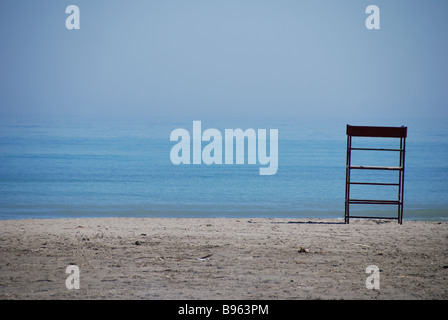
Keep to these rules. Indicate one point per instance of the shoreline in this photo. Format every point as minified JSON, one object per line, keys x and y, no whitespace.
{"x":421,"y":218}
{"x":430,"y":215}
{"x":222,"y":258}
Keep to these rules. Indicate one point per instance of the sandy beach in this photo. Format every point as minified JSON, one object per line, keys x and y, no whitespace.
{"x":218,"y":258}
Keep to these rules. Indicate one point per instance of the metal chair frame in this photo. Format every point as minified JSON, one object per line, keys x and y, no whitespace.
{"x":383,"y":132}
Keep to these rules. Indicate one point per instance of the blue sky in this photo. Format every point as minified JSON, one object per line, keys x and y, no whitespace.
{"x":206,"y":58}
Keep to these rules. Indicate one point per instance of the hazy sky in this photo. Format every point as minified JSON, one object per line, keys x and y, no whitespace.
{"x":286,"y":58}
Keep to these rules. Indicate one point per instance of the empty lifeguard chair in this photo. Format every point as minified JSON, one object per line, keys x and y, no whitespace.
{"x":379,"y":132}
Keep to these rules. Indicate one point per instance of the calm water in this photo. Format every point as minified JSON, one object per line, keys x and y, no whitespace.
{"x":96,"y":167}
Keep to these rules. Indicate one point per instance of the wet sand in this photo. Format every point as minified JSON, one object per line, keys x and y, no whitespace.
{"x":218,"y":258}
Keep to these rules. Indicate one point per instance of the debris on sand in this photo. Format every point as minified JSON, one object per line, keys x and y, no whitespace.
{"x":205,"y":257}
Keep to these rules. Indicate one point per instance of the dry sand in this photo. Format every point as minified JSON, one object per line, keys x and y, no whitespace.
{"x":156,"y":258}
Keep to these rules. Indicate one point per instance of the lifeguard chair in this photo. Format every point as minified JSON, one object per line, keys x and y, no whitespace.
{"x":378,"y":132}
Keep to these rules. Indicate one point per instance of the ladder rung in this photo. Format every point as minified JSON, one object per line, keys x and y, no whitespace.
{"x":376,"y":183}
{"x":376,"y":149}
{"x":367,"y":201}
{"x":376,"y":168}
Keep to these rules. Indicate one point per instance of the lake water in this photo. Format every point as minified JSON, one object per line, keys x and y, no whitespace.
{"x":71,"y":167}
